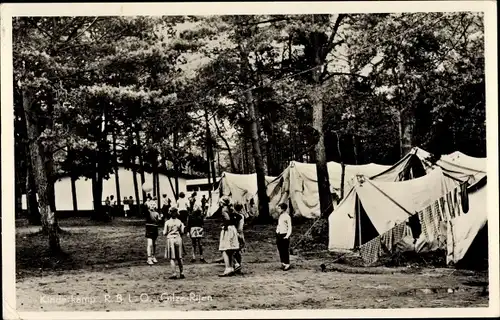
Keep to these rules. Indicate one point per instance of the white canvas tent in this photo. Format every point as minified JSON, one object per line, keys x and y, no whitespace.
{"x":457,"y":165}
{"x":464,"y":228}
{"x":299,"y":184}
{"x":372,"y":208}
{"x":413,"y":165}
{"x":458,"y":232}
{"x":240,"y":188}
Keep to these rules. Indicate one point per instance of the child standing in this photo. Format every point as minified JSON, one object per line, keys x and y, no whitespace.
{"x":174,"y":229}
{"x":239,"y":220}
{"x":152,"y":220}
{"x":126,"y":206}
{"x":183,"y":207}
{"x":283,"y":232}
{"x":228,"y":242}
{"x":204,"y":205}
{"x":192,"y":202}
{"x":165,"y":208}
{"x":195,"y":231}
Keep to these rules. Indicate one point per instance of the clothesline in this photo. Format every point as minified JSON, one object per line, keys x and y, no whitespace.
{"x":370,"y":250}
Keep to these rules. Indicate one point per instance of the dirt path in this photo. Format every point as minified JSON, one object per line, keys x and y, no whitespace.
{"x":103,"y":263}
{"x":263,"y":286}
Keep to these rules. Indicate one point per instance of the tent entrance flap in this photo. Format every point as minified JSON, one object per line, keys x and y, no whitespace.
{"x":365,"y":230}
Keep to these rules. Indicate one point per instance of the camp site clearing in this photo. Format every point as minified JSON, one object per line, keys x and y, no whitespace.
{"x":111,"y":257}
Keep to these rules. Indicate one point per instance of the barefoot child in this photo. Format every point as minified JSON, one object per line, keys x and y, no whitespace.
{"x":174,"y":229}
{"x":195,"y":231}
{"x":283,"y":232}
{"x":152,"y":223}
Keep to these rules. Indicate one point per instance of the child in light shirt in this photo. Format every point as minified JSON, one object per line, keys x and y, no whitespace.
{"x":283,"y":233}
{"x":173,"y":230}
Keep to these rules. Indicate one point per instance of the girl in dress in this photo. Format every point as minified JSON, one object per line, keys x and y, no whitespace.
{"x":174,"y":229}
{"x":228,"y":243}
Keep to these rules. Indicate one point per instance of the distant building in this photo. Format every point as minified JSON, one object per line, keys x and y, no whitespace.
{"x":64,"y":197}
{"x":200,"y":186}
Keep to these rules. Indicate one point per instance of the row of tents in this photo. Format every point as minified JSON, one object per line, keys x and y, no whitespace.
{"x":418,"y":204}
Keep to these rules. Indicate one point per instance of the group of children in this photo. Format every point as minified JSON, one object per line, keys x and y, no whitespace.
{"x":186,"y":217}
{"x":110,"y":203}
{"x":175,"y":218}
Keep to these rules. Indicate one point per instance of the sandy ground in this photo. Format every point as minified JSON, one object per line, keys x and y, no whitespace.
{"x":104,"y":269}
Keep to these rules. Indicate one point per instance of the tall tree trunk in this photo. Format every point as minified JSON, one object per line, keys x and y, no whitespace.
{"x":219,"y":167}
{"x":97,"y":194}
{"x":407,"y":130}
{"x":325,"y":199}
{"x":208,"y":173}
{"x":176,"y":196}
{"x":48,"y":217}
{"x":244,"y":154}
{"x":210,"y":153}
{"x":18,"y":206}
{"x":153,"y":175}
{"x":342,"y":165}
{"x":73,"y":194}
{"x":212,"y":163}
{"x":141,"y":162}
{"x":400,"y":134}
{"x":259,"y":164}
{"x":98,"y":177}
{"x":355,"y":149}
{"x":31,"y":199}
{"x":231,"y":159}
{"x":176,"y":164}
{"x":156,"y":182}
{"x":117,"y":177}
{"x":136,"y":189}
{"x":158,"y":189}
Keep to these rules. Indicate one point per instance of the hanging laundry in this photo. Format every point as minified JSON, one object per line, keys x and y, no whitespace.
{"x":449,"y":201}
{"x":371,"y":250}
{"x":464,"y":196}
{"x":456,"y":199}
{"x":423,"y":224}
{"x":387,"y":240}
{"x":399,"y":232}
{"x":437,"y":211}
{"x":442,"y":203}
{"x":442,"y":236}
{"x":433,"y":220}
{"x":429,"y":225}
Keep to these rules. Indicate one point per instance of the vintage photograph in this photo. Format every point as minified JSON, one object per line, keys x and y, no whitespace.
{"x":250,"y":161}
